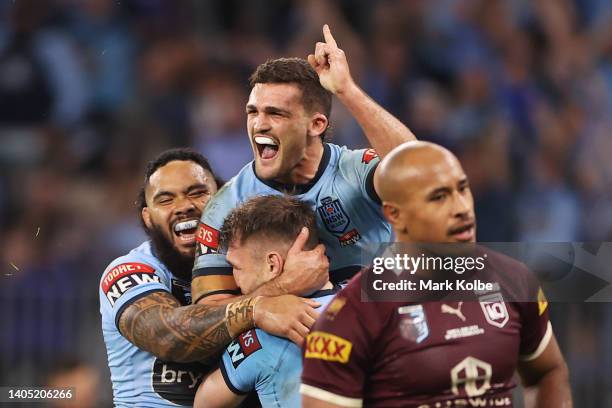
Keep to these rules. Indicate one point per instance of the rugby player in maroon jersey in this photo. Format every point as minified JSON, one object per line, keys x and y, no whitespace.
{"x":432,"y":354}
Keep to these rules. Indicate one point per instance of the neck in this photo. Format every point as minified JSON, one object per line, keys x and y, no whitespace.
{"x":328,"y":285}
{"x":402,"y":237}
{"x":307,"y":167}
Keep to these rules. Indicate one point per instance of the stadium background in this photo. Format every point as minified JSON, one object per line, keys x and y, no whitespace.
{"x":91,"y":89}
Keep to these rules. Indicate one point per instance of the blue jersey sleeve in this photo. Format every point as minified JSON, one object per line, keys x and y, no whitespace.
{"x":358,"y":167}
{"x":212,"y":273}
{"x":125,"y":280}
{"x":269,"y":365}
{"x":244,"y":361}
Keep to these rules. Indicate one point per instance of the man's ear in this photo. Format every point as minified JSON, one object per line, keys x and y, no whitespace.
{"x":318,"y":125}
{"x":394,"y":215}
{"x":274,"y":263}
{"x":391,"y":212}
{"x":146,"y":217}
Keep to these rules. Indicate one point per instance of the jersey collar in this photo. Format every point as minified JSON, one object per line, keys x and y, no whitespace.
{"x":325,"y":292}
{"x":296,"y":189}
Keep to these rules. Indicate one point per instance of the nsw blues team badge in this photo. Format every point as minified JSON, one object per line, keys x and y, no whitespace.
{"x":413,"y":323}
{"x":333,"y":215}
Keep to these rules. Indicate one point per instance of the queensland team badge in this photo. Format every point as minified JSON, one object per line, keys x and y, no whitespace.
{"x":413,"y":323}
{"x":333,"y":215}
{"x":494,"y":309}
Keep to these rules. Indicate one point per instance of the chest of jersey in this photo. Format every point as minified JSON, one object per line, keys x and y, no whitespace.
{"x":347,"y":223}
{"x":460,"y":350}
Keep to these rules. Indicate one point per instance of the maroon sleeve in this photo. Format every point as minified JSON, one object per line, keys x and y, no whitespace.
{"x":536,"y":330}
{"x":338,"y":350}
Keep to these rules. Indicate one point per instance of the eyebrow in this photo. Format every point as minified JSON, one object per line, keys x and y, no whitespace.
{"x":161,"y":194}
{"x":197,"y":186}
{"x":268,"y":109}
{"x":463,"y":182}
{"x":188,"y":190}
{"x":438,"y":191}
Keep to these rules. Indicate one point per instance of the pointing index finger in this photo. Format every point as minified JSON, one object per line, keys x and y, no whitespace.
{"x":329,"y":38}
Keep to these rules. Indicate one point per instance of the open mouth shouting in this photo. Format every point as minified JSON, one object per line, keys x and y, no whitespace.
{"x":267,"y":147}
{"x":185,"y":231}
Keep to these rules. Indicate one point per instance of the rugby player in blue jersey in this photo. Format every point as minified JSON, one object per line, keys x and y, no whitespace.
{"x":258,"y":235}
{"x":287,"y":116}
{"x":155,"y":340}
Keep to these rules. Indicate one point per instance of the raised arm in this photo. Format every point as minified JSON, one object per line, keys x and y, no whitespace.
{"x":383,"y":130}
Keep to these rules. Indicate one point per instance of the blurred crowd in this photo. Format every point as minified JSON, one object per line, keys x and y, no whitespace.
{"x":90,"y":90}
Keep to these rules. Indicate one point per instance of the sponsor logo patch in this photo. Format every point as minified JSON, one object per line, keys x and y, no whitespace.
{"x":473,"y":376}
{"x":542,"y":302}
{"x":454,"y":311}
{"x":334,"y":307}
{"x":177,"y":382}
{"x":349,"y":238}
{"x":494,"y":309}
{"x":368,"y":156}
{"x":413,"y":323}
{"x":245,"y":345}
{"x":249,"y":342}
{"x":333,"y":215}
{"x":207,"y":238}
{"x":123,"y":277}
{"x":461,"y":332}
{"x":326,"y":346}
{"x":122,"y":270}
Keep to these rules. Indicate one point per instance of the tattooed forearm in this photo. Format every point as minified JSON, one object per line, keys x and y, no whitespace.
{"x":159,"y":324}
{"x":241,"y":315}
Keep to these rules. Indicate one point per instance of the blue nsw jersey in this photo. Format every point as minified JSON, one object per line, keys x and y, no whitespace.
{"x":342,"y":195}
{"x":139,"y":378}
{"x":269,"y":365}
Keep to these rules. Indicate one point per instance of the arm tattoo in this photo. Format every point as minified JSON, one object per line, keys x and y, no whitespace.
{"x":157,"y":323}
{"x":240,"y":315}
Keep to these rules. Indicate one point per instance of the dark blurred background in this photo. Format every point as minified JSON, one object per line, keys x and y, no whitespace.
{"x":90,"y":90}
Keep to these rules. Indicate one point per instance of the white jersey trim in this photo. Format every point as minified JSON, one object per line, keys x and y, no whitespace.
{"x":323,"y":395}
{"x":541,"y":347}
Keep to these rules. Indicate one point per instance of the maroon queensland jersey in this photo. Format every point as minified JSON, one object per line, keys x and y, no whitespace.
{"x":429,"y":355}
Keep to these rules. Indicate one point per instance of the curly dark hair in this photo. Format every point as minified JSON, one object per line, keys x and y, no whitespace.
{"x":298,"y":71}
{"x":165,"y":157}
{"x":279,"y":217}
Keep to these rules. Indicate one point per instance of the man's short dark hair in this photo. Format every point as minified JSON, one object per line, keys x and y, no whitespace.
{"x":298,"y":71}
{"x":165,"y":157}
{"x":279,"y":217}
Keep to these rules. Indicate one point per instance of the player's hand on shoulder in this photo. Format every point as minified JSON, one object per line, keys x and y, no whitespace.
{"x":286,"y":316}
{"x":330,"y":63}
{"x":304,"y":271}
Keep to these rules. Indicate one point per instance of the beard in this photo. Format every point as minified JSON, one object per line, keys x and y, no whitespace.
{"x":178,"y":264}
